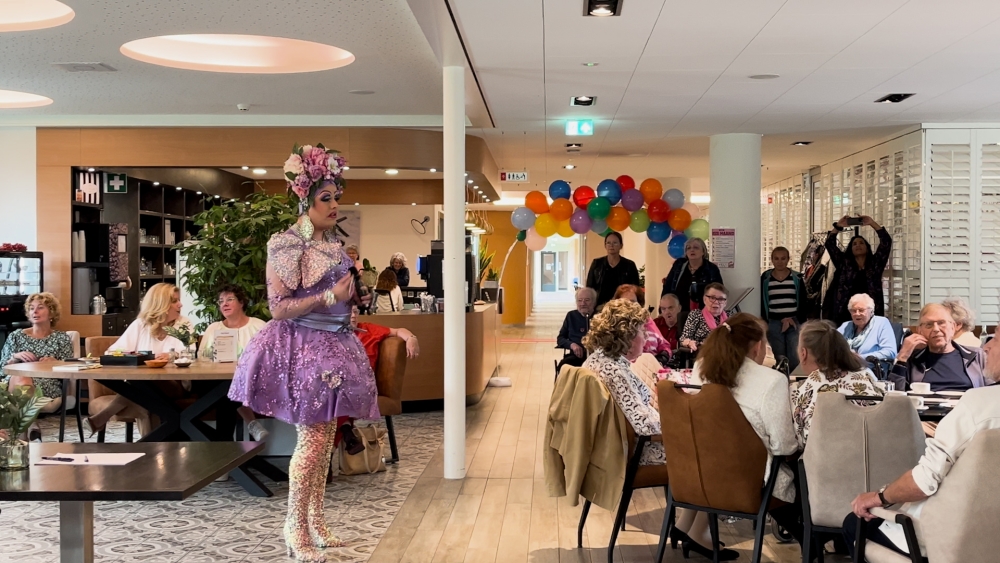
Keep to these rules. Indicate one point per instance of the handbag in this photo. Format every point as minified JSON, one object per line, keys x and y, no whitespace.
{"x":368,"y":461}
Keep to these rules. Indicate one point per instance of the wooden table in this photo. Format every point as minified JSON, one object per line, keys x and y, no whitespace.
{"x":138,"y":385}
{"x":168,"y":471}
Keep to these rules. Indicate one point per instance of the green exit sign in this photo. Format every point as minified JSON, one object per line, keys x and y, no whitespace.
{"x":578,"y":127}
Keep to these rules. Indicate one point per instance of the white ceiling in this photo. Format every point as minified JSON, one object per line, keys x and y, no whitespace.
{"x":673,"y":72}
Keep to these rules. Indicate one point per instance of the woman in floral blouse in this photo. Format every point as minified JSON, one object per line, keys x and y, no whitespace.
{"x":701,"y":322}
{"x":825,"y":355}
{"x":38,"y":343}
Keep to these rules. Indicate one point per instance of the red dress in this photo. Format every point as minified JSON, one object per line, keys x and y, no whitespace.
{"x":669,"y":333}
{"x":371,"y":337}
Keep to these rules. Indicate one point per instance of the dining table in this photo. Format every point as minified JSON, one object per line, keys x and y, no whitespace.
{"x":177,"y":421}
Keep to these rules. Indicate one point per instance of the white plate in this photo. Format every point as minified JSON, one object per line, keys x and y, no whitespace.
{"x":912,"y":392}
{"x":923,"y":408}
{"x":951,"y":393}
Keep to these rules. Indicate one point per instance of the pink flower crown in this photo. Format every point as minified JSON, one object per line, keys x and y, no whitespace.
{"x":308,"y":166}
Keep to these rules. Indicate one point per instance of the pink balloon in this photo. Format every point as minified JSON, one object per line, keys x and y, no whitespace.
{"x":632,"y":200}
{"x":692,"y":210}
{"x":533,"y":240}
{"x":580,"y":221}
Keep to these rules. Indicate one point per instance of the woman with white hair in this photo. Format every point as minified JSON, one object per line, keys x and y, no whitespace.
{"x":965,"y":322}
{"x":690,"y":275}
{"x":398,"y":265}
{"x":868,"y":335}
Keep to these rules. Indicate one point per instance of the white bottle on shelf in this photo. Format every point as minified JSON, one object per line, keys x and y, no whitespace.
{"x":83,"y":246}
{"x":76,"y":247}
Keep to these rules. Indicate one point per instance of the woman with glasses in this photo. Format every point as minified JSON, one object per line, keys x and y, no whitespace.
{"x":700,"y":323}
{"x":691,"y":275}
{"x":232,"y":303}
{"x":868,"y":335}
{"x":609,"y":272}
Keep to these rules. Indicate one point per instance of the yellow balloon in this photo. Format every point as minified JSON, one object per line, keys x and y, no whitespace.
{"x":564,"y":229}
{"x":545,"y":225}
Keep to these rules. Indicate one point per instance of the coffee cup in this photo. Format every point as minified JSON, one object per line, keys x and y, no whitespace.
{"x":921,"y":387}
{"x":917,"y":401}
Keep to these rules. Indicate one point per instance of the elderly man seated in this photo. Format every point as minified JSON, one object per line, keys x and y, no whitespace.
{"x":978,"y":410}
{"x":868,"y":335}
{"x":931,"y":356}
{"x":669,"y":322}
{"x":575,"y":327}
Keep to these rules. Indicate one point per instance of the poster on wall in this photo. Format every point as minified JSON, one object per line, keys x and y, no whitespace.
{"x":724,"y":247}
{"x":349,"y":227}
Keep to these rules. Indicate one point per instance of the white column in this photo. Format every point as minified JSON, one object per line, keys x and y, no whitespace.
{"x":454,"y":272}
{"x":658,"y":261}
{"x":18,"y":221}
{"x":734,"y":185}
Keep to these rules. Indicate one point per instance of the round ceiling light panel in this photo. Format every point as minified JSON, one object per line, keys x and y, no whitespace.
{"x":249,"y":54}
{"x":27,"y":15}
{"x":10,"y":99}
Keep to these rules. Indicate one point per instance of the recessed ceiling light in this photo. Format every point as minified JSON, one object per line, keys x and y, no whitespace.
{"x":252,"y":54}
{"x":91,"y":169}
{"x":9,"y":99}
{"x":414,"y":203}
{"x":766,"y":76}
{"x":245,"y":167}
{"x":434,"y":169}
{"x":583,"y":101}
{"x":217,"y":197}
{"x":361,"y":92}
{"x":573,"y":145}
{"x":590,"y":64}
{"x":347,"y":168}
{"x":569,"y":166}
{"x":27,"y":15}
{"x":466,"y":173}
{"x":602,"y":8}
{"x":356,"y":203}
{"x":391,"y":171}
{"x":479,"y":191}
{"x":468,"y":181}
{"x":197,"y":193}
{"x":893,"y":98}
{"x":801,"y":143}
{"x":178,"y":188}
{"x":260,"y":171}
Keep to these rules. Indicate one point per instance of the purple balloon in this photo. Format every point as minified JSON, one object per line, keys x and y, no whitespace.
{"x":632,"y":200}
{"x":580,"y":221}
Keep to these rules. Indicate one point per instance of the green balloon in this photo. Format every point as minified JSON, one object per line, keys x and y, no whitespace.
{"x":640,"y":221}
{"x":521,"y":235}
{"x":598,"y":208}
{"x":607,"y":232}
{"x":698,"y":229}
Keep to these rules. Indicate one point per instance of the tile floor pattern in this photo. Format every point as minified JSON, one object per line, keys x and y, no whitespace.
{"x":222,"y":523}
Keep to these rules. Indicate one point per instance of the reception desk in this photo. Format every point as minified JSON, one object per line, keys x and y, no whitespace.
{"x":424,"y":378}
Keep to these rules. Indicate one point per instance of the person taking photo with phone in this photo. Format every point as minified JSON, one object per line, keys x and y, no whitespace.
{"x":858,"y":269}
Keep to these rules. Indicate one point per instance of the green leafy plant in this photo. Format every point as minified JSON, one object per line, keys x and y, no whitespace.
{"x":485,"y":259}
{"x":642,"y":276}
{"x":19,"y":409}
{"x":369,"y":275}
{"x":492,"y":275}
{"x":231,"y":247}
{"x":184,"y":333}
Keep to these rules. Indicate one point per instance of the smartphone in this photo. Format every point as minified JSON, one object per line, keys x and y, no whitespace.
{"x":854,"y":222}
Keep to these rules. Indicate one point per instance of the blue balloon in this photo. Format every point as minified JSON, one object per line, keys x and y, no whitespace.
{"x":559,"y":189}
{"x":598,"y":226}
{"x":658,"y":232}
{"x":676,"y":246}
{"x":611,"y":190}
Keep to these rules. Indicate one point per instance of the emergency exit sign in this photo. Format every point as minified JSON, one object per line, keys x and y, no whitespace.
{"x":514,"y":176}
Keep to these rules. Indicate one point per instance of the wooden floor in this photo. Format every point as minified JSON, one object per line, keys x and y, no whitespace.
{"x":501,"y":512}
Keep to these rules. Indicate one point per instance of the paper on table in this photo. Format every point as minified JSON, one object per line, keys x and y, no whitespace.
{"x":224,"y":346}
{"x":93,"y":459}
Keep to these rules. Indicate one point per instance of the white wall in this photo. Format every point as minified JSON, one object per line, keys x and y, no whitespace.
{"x":386,"y":229}
{"x":17,"y":186}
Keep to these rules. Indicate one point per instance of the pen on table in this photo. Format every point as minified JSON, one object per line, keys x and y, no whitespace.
{"x":57,"y":458}
{"x":86,"y":459}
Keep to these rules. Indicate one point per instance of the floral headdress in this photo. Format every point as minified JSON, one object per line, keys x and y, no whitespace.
{"x":309,"y":167}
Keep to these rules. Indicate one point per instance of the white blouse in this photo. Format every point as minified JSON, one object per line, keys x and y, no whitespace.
{"x":389,"y":303}
{"x":137,"y":337}
{"x":243,"y":336}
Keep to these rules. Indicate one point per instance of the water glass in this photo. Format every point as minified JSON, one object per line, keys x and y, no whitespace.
{"x":889,"y":386}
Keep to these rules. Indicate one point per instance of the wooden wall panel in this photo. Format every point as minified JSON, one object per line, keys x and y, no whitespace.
{"x":378,"y":192}
{"x":516,"y":276}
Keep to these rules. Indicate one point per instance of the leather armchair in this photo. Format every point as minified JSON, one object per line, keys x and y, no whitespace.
{"x":389,"y":372}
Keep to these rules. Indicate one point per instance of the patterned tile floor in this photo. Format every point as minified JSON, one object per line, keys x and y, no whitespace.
{"x":222,"y":523}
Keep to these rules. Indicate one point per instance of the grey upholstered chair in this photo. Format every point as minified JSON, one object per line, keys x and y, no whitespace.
{"x":851,"y":450}
{"x":956,"y":523}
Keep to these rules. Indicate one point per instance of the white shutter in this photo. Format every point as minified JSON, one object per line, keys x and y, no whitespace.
{"x":988,"y":309}
{"x":949,"y":222}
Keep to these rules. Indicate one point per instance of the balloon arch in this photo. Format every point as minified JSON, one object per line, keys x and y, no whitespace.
{"x":614,"y":206}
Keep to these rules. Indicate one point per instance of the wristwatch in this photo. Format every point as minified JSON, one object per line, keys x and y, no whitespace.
{"x":881,"y":497}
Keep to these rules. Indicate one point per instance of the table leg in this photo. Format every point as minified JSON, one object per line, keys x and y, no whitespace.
{"x":76,"y":531}
{"x":146,"y":395}
{"x":62,"y":413}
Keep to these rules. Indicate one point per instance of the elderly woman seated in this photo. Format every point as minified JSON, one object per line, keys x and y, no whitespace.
{"x":826,"y":357}
{"x":965,"y":322}
{"x":701,"y":322}
{"x":575,"y":327}
{"x":655,"y":344}
{"x":868,"y":335}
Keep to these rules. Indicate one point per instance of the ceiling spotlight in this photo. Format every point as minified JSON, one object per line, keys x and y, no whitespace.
{"x":766,"y":76}
{"x":573,"y":145}
{"x":414,"y":203}
{"x":584,"y":101}
{"x":468,"y":181}
{"x":569,"y":166}
{"x":466,"y":173}
{"x":801,"y":143}
{"x":602,"y":8}
{"x":893,"y":98}
{"x":154,"y":183}
{"x":217,"y":197}
{"x":260,"y":171}
{"x":434,"y":169}
{"x":90,"y":170}
{"x":245,"y":167}
{"x":391,"y":171}
{"x":479,"y":191}
{"x":178,"y":188}
{"x":197,"y":193}
{"x":356,"y":203}
{"x":590,"y":64}
{"x":347,"y":168}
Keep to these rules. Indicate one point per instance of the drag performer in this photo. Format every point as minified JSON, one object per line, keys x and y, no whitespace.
{"x":306,"y":367}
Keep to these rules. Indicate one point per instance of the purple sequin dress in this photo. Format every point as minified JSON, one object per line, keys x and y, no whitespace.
{"x":293,"y":370}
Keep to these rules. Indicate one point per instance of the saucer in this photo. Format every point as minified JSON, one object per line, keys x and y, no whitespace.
{"x":927,"y":394}
{"x":923,"y":408}
{"x":951,"y":393}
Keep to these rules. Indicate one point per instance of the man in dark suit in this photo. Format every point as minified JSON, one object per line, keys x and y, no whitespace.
{"x":575,"y":326}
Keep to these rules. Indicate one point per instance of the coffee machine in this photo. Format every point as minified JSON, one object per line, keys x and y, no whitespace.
{"x":431,"y":270}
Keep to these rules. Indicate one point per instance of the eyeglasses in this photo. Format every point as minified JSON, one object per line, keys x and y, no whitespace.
{"x":715,"y":299}
{"x":931,"y":324}
{"x":227,"y":301}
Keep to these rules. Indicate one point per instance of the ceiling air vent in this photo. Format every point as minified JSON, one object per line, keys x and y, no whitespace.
{"x":85,"y":67}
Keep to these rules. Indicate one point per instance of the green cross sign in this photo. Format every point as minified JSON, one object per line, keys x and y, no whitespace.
{"x":115,"y":184}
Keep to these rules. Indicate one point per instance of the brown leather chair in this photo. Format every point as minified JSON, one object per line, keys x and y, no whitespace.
{"x":100,"y":396}
{"x":636,"y":477}
{"x":715,"y":461}
{"x":389,"y":372}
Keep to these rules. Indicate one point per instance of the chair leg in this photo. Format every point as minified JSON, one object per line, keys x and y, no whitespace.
{"x":668,"y":523}
{"x":100,"y":437}
{"x":128,"y":432}
{"x":758,"y":540}
{"x":713,"y":528}
{"x":619,"y":522}
{"x":62,"y":410}
{"x":807,"y":540}
{"x":240,"y":425}
{"x":79,"y":412}
{"x":391,"y":430}
{"x":583,"y":520}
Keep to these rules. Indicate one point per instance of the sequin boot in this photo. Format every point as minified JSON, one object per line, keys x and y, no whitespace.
{"x":321,"y":534}
{"x":307,"y":460}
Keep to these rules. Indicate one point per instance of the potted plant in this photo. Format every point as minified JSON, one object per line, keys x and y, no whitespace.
{"x":18,"y":410}
{"x":369,"y":275}
{"x":492,"y":279}
{"x":187,"y":336}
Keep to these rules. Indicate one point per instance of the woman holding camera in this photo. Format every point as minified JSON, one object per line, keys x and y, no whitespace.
{"x":857,"y":272}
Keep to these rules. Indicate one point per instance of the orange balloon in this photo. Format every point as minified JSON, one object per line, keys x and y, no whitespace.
{"x":618,"y":219}
{"x":651,"y":189}
{"x":563,"y":229}
{"x":536,"y":202}
{"x":679,"y":219}
{"x":561,"y":209}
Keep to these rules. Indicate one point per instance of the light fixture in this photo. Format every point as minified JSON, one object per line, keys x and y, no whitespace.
{"x":356,"y":203}
{"x":602,"y":8}
{"x":178,"y":188}
{"x":801,"y":143}
{"x":470,"y":219}
{"x":197,"y":193}
{"x":9,"y":99}
{"x":468,"y":181}
{"x":92,"y":170}
{"x":217,"y":197}
{"x":391,"y":171}
{"x":28,"y":15}
{"x":466,"y":173}
{"x":346,"y":168}
{"x":765,"y":76}
{"x":576,"y":127}
{"x":251,"y":54}
{"x":583,"y":101}
{"x":569,"y":166}
{"x":573,"y":145}
{"x":361,"y":92}
{"x":701,"y":198}
{"x":480,"y":191}
{"x":893,"y":98}
{"x":260,"y":171}
{"x":590,"y":64}
{"x":414,"y":204}
{"x":434,"y":170}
